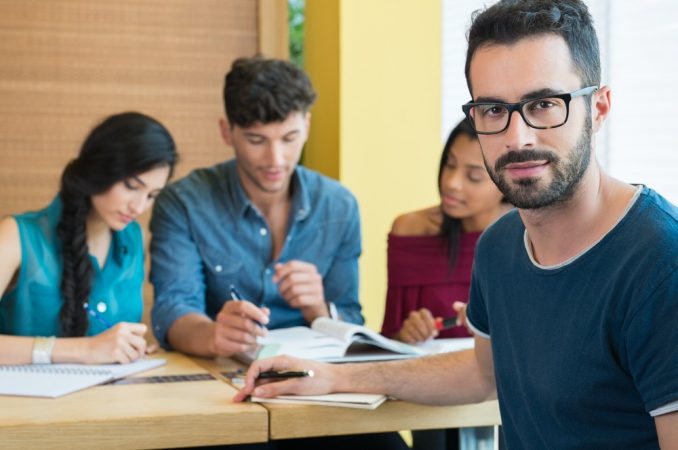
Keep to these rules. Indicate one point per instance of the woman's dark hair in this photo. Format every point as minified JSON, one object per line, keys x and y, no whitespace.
{"x":450,"y":229}
{"x":122,"y":146}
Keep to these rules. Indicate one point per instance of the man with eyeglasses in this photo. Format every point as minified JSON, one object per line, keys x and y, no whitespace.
{"x":574,"y":297}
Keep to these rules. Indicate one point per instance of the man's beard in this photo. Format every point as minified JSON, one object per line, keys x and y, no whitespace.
{"x":526,"y":192}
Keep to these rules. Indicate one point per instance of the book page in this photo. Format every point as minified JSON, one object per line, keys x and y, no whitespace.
{"x":349,"y":332}
{"x":345,"y":400}
{"x":445,"y":345}
{"x":301,"y":342}
{"x":338,"y":329}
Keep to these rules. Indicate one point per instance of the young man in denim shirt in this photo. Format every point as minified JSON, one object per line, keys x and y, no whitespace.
{"x":283,"y":237}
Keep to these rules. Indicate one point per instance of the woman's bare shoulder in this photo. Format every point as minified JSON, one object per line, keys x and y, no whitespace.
{"x":10,"y":249}
{"x":423,"y":222}
{"x":9,"y":230}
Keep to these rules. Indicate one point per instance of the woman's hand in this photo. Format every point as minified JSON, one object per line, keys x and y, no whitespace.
{"x":419,"y":326}
{"x":122,"y":343}
{"x":460,"y":309}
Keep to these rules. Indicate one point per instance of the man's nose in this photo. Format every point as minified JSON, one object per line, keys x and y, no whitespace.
{"x":518,"y":134}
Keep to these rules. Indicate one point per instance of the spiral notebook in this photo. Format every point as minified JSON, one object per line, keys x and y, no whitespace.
{"x":55,"y":380}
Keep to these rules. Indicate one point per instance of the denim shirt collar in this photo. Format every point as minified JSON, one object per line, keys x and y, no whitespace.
{"x":301,"y":203}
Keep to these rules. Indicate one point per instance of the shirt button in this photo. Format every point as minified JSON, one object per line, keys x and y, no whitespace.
{"x":288,"y":238}
{"x":268,"y":271}
{"x":218,"y":268}
{"x":263,"y":231}
{"x":101,"y":307}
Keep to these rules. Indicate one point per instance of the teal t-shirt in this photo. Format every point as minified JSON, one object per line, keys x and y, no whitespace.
{"x":32,"y":306}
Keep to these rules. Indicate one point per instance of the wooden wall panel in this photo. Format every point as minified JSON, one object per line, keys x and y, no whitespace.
{"x":66,"y":64}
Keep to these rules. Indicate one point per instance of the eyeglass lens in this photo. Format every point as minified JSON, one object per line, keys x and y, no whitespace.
{"x":540,"y":113}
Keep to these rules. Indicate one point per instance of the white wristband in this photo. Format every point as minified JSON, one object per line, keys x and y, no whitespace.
{"x":42,"y":350}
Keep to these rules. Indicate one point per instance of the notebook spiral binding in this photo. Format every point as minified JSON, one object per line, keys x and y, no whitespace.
{"x":34,"y":368}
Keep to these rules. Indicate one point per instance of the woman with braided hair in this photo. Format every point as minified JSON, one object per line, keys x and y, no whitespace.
{"x":71,"y":274}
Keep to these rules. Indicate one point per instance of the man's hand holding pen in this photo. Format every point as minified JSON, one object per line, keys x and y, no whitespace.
{"x":282,"y":375}
{"x":237,"y":327}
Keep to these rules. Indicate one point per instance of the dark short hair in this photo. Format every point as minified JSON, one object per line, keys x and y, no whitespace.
{"x":508,"y":21}
{"x":265,"y":90}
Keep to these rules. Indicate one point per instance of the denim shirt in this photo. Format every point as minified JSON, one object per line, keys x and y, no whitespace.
{"x":207,"y":236}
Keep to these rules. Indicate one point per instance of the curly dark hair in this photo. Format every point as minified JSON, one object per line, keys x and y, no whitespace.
{"x":265,"y":90}
{"x":508,"y":21}
{"x":122,"y":146}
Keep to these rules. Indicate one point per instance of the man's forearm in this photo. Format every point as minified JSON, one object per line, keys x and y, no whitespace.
{"x":192,"y":334}
{"x":448,"y":379}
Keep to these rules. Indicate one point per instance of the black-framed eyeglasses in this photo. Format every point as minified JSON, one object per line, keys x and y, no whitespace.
{"x":542,"y":113}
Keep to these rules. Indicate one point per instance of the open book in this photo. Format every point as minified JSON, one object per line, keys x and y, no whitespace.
{"x":362,"y":401}
{"x":55,"y":380}
{"x":331,"y":341}
{"x":446,"y":345}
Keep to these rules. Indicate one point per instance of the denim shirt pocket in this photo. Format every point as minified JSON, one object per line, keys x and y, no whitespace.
{"x":318,"y":248}
{"x":221,"y":272}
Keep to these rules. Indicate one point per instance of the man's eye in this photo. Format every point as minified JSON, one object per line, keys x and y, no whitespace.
{"x":545,"y":104}
{"x":493,"y":111}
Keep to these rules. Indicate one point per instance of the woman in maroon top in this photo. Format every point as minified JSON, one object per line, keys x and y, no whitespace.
{"x":430,"y":251}
{"x":430,"y":254}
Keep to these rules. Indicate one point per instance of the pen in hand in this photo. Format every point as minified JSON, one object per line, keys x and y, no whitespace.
{"x":235,"y":295}
{"x":95,"y":314}
{"x":445,"y":323}
{"x":283,"y":374}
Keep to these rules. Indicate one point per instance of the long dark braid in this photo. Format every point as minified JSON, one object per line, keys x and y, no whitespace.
{"x":76,"y":278}
{"x":122,"y":146}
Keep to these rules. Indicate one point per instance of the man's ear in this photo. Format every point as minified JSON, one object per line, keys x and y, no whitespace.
{"x":308,"y":124}
{"x":601,"y":104}
{"x":226,"y":131}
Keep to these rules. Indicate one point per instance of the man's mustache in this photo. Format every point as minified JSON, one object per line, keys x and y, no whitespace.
{"x":521,"y":156}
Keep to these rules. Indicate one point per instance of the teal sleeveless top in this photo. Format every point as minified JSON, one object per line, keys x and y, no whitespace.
{"x":32,"y":306}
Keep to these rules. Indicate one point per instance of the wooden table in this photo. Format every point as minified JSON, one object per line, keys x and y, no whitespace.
{"x":161,"y":415}
{"x":298,"y":421}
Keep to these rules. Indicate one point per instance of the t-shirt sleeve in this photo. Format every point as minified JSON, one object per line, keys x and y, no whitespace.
{"x":476,"y":312}
{"x":652,"y":345}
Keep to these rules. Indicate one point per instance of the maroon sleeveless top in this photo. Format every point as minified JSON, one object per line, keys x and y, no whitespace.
{"x":419,"y":276}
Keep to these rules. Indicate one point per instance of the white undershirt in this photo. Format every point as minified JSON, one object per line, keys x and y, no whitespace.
{"x":528,"y":245}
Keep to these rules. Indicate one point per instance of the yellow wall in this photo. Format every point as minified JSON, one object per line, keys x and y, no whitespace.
{"x":376,"y":127}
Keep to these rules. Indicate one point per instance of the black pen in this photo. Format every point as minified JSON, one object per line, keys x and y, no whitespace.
{"x":445,"y":323}
{"x":282,"y":374}
{"x":235,"y":295}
